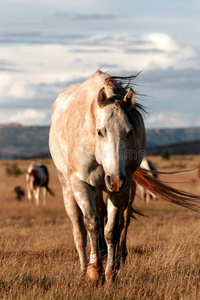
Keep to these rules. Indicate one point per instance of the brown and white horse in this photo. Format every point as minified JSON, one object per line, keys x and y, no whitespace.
{"x":97,"y":142}
{"x":37,"y":179}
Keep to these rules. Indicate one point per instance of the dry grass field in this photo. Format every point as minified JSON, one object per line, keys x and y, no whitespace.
{"x":38,"y":259}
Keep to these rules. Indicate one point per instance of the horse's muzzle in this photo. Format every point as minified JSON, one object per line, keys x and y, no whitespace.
{"x":116,"y":184}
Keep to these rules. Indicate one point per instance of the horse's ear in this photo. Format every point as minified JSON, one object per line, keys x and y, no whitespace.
{"x":129,"y":98}
{"x":102,"y":97}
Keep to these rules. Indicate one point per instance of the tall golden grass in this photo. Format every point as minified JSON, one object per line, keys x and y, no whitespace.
{"x":38,"y":259}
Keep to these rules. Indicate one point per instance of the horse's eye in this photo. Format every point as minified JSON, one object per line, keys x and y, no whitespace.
{"x":99,"y":132}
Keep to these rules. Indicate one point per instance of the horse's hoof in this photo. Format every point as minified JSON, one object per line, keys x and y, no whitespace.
{"x":83,"y":275}
{"x":109,"y":279}
{"x":109,"y":285}
{"x":92,"y":274}
{"x":95,"y":273}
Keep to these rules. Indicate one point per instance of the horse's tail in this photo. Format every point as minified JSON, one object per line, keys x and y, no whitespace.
{"x":50,"y":191}
{"x":165,"y":192}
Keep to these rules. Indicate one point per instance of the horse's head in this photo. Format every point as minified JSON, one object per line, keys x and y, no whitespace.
{"x":119,"y":138}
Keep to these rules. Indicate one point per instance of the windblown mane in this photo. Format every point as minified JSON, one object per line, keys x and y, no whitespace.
{"x":120,"y":85}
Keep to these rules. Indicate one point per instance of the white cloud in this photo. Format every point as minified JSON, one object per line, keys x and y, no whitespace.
{"x":39,"y":65}
{"x":13,"y":86}
{"x":55,"y":62}
{"x":167,"y":52}
{"x":28,"y":116}
{"x":172,"y":119}
{"x":162,"y":41}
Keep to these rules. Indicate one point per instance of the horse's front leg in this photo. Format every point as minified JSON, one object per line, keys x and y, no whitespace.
{"x":85,"y":198}
{"x":37,"y":192}
{"x":75,"y":214}
{"x":29,"y":192}
{"x":112,"y":234}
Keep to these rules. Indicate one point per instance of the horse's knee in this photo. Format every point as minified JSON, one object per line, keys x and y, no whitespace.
{"x":93,"y":223}
{"x":111,"y":235}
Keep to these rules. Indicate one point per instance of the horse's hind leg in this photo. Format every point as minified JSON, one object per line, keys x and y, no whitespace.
{"x":127,"y":217}
{"x":148,"y":196}
{"x":44,"y":195}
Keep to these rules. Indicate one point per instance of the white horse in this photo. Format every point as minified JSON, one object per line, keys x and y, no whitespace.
{"x":97,"y":139}
{"x":97,"y":142}
{"x":37,"y":179}
{"x":145,"y":194}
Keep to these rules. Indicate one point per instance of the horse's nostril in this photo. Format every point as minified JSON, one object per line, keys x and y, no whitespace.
{"x":116,"y":184}
{"x":108,"y":181}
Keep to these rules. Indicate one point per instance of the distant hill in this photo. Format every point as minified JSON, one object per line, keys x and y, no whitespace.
{"x":177,"y":149}
{"x":17,"y":141}
{"x":161,"y":137}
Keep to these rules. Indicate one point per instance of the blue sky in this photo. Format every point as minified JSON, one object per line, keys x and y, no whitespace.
{"x":47,"y":45}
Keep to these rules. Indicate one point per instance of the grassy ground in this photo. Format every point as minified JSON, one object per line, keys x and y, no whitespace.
{"x":38,"y":259}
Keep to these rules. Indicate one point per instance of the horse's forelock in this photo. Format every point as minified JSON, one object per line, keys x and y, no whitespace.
{"x":118,"y":86}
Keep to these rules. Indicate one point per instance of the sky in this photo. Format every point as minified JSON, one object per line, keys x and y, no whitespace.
{"x":46,"y":45}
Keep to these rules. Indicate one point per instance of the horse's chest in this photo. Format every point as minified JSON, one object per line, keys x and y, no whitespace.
{"x":92,"y":173}
{"x":96,"y":177}
{"x":84,"y":162}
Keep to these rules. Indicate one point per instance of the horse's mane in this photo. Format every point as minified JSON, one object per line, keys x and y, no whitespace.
{"x":119,"y":86}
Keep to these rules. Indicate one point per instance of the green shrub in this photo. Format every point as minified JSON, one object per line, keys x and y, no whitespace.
{"x":19,"y":192}
{"x":165,"y":154}
{"x":13,"y":170}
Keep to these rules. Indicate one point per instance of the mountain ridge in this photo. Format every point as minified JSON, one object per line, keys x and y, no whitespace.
{"x":21,"y":141}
